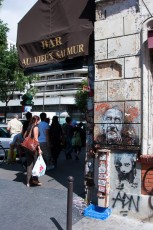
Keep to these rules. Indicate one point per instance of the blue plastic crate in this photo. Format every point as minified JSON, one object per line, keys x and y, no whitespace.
{"x":97,"y":212}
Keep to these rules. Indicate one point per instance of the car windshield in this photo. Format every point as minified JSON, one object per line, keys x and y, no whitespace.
{"x":4,"y":132}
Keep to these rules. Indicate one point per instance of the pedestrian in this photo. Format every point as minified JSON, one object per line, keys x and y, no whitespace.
{"x":76,"y":142}
{"x":14,"y":127}
{"x":31,"y":158}
{"x":82,"y":134}
{"x":68,"y":134}
{"x":55,"y":139}
{"x":47,"y":120}
{"x":44,"y":141}
{"x":26,"y":122}
{"x":20,"y":148}
{"x":16,"y":144}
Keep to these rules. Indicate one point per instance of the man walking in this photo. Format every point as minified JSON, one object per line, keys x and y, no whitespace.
{"x":44,"y":140}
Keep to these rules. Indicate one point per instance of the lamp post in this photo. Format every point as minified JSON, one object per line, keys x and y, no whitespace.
{"x":44,"y":97}
{"x":59,"y":104}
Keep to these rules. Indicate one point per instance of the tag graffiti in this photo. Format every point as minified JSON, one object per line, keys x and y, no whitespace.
{"x":127,"y":201}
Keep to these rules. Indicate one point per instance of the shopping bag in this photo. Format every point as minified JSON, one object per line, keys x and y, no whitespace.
{"x":14,"y":155}
{"x":39,"y":167}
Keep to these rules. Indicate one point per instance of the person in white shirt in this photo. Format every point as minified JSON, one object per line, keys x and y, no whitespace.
{"x":14,"y":127}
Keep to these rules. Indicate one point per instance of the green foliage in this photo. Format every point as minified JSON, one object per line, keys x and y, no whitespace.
{"x":81,"y":97}
{"x":1,"y":2}
{"x":12,"y":77}
{"x":3,"y":37}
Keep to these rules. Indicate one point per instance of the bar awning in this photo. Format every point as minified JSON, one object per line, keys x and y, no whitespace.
{"x":54,"y":31}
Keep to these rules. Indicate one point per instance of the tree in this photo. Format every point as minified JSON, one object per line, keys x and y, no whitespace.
{"x":12,"y":77}
{"x":81,"y":97}
{"x":1,"y":2}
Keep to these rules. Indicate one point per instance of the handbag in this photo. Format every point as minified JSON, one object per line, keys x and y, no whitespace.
{"x":30,"y":143}
{"x":39,"y":168}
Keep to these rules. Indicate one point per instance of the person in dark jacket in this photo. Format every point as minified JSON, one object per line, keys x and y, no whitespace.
{"x":55,"y":139}
{"x":27,"y":122}
{"x":68,"y":134}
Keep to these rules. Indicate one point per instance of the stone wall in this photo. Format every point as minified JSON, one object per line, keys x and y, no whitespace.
{"x":123,"y":103}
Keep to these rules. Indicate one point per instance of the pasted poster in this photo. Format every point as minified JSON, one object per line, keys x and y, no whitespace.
{"x":103,"y":177}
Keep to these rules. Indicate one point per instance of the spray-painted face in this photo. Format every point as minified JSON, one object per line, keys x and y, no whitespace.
{"x":112,"y":125}
{"x":125,"y":164}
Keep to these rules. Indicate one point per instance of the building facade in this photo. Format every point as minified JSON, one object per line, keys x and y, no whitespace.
{"x":119,"y":171}
{"x":55,"y":93}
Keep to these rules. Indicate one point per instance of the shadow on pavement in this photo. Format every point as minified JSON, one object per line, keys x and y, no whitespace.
{"x":72,"y":167}
{"x":56,"y":223}
{"x":65,"y":168}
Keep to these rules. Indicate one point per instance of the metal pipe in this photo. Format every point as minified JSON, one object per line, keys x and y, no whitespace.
{"x":69,"y":202}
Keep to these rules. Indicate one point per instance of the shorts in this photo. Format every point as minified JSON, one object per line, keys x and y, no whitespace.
{"x":16,"y":139}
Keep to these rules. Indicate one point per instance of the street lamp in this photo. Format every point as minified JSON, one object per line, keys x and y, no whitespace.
{"x":59,"y":108}
{"x":44,"y":96}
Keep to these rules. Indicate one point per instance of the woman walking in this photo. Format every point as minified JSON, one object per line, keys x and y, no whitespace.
{"x":32,"y":157}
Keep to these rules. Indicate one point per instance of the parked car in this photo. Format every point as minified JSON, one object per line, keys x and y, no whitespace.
{"x":5,"y":137}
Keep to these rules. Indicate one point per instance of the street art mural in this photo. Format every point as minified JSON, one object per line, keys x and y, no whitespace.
{"x":116,"y":124}
{"x":125,"y":178}
{"x":125,"y":165}
{"x":124,"y":174}
{"x":112,"y":126}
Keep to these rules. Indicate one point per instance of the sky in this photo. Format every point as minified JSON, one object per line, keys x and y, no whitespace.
{"x":11,"y":12}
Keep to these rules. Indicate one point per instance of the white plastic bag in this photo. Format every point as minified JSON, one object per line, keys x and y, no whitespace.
{"x":39,"y":167}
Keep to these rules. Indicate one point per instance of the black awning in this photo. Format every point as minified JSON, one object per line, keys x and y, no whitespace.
{"x":54,"y":31}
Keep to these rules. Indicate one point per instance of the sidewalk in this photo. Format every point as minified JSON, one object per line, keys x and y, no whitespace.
{"x":112,"y":223}
{"x":45,"y":207}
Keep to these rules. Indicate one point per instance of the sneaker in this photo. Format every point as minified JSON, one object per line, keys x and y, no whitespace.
{"x":39,"y":183}
{"x":28,"y":185}
{"x":50,"y":167}
{"x":36,"y":182}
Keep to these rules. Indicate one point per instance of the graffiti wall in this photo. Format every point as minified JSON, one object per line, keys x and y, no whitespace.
{"x":123,"y":102}
{"x":125,"y":177}
{"x":117,"y":123}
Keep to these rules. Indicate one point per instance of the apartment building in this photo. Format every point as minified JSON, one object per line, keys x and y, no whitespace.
{"x":57,"y":89}
{"x":55,"y":93}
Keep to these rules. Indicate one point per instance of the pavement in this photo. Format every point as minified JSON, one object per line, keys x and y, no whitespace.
{"x":45,"y":207}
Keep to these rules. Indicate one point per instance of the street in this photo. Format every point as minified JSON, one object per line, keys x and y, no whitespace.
{"x":45,"y":207}
{"x":42,"y":207}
